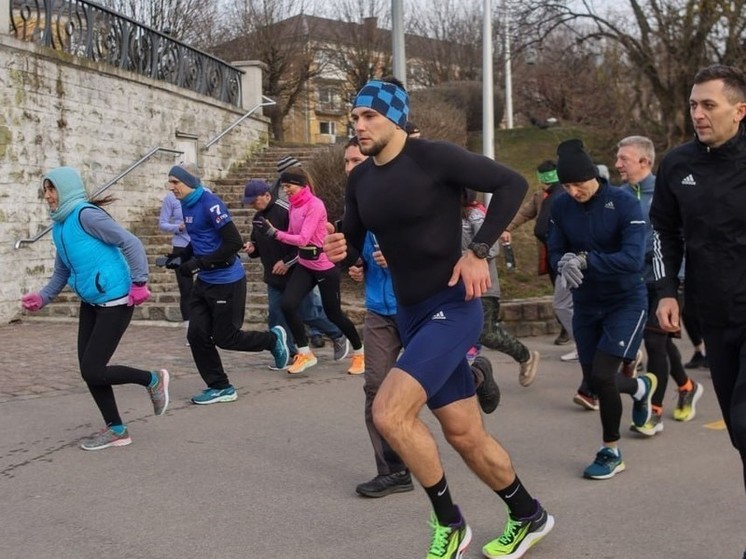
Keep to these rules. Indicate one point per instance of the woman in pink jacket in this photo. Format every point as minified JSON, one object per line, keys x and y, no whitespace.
{"x":307,"y":230}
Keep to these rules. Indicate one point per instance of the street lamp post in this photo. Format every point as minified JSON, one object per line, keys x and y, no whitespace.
{"x":397,"y":41}
{"x":508,"y":73}
{"x":488,"y":97}
{"x":488,"y":105}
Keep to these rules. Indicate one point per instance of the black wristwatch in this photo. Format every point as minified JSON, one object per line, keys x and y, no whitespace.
{"x":139,"y":283}
{"x":480,"y":250}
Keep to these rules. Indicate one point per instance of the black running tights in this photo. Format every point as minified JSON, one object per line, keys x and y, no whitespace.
{"x":99,"y":332}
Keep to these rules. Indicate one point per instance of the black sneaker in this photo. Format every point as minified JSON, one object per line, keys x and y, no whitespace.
{"x":563,"y":338}
{"x":316,"y":341}
{"x":382,"y":485}
{"x":697,"y":361}
{"x":488,"y":393}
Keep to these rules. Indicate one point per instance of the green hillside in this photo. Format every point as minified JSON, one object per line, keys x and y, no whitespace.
{"x":523,"y":149}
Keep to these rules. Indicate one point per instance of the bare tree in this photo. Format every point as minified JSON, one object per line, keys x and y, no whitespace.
{"x":446,"y":40}
{"x":188,"y":21}
{"x":664,"y":42}
{"x":360,"y":48}
{"x":277,"y":33}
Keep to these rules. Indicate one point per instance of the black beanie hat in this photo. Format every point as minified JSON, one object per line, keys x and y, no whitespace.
{"x":573,"y":163}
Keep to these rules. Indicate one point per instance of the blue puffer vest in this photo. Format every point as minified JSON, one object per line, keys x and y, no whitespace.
{"x":98,"y":271}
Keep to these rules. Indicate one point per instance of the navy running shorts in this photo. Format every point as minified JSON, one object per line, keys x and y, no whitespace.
{"x":436,"y":334}
{"x":614,"y":327}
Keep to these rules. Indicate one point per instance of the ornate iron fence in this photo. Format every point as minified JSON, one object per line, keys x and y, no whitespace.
{"x":86,"y":29}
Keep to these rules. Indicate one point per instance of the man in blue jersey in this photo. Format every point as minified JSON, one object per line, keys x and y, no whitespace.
{"x":218,"y":300}
{"x":408,"y":194}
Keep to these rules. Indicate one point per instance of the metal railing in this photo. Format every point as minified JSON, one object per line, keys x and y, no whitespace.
{"x":266,"y":102}
{"x":86,"y":29}
{"x":101,"y":190}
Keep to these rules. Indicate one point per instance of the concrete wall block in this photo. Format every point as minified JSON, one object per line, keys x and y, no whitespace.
{"x":99,"y":119}
{"x":511,"y":312}
{"x":530,"y":311}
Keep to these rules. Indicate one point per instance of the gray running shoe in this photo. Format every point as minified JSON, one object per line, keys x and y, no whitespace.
{"x":341,"y":348}
{"x":527,"y":369}
{"x":105,"y":439}
{"x":159,"y":392}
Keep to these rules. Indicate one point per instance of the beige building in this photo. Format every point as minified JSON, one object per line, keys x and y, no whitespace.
{"x":343,"y":56}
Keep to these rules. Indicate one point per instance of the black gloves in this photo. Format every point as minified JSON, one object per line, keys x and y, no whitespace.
{"x":173,"y":262}
{"x":190,"y":267}
{"x":264,"y":227}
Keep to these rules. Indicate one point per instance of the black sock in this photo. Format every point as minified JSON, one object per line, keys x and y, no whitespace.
{"x":520,"y":503}
{"x":440,"y":497}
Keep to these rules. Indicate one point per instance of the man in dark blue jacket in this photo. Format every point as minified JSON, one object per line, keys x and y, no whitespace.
{"x":597,"y":246}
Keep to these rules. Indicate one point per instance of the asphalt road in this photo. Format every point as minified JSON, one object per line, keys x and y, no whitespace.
{"x":272,"y":475}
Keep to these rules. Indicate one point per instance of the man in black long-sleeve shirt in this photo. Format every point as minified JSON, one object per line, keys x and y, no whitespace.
{"x":700,"y":198}
{"x":408,"y":193}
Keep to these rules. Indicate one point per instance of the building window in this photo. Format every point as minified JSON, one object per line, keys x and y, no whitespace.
{"x":328,"y":98}
{"x":329,"y":128}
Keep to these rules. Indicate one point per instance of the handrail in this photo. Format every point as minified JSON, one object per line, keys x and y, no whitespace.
{"x":88,"y":29}
{"x":105,"y":187}
{"x":267,"y":102}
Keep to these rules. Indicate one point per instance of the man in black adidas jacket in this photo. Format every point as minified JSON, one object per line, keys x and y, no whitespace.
{"x":700,"y":197}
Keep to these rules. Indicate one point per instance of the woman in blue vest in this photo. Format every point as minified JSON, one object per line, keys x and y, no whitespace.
{"x":106,"y":266}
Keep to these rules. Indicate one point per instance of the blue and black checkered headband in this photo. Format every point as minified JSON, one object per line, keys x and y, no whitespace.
{"x":386,"y":98}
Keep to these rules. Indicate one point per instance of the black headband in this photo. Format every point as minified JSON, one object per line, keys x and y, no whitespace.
{"x":293,"y":178}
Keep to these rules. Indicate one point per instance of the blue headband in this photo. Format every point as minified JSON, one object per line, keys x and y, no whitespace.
{"x":184,"y":176}
{"x":386,"y":98}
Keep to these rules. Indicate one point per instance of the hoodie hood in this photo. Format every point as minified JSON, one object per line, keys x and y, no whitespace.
{"x":70,"y":191}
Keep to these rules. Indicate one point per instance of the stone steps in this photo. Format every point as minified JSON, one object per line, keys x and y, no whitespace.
{"x":164,"y":306}
{"x":164,"y":302}
{"x":522,"y":317}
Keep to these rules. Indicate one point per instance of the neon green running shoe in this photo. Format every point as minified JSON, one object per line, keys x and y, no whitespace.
{"x":449,"y":542}
{"x":686,"y":405}
{"x":520,"y":535}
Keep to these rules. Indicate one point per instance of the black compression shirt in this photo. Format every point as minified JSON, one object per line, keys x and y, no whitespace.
{"x":413,"y":206}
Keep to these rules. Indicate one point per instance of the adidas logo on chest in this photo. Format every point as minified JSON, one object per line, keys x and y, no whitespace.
{"x":688,"y":180}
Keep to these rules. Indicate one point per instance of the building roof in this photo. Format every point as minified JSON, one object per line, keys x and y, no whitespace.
{"x":327,"y":30}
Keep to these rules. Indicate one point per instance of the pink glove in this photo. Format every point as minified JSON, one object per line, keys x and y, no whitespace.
{"x":32,"y":302}
{"x":138,"y":295}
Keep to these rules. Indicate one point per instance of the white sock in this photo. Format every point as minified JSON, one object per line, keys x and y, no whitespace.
{"x":641,"y":389}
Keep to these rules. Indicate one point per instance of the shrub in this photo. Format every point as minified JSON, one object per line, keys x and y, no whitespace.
{"x":429,"y":112}
{"x":327,"y":169}
{"x":438,"y":119}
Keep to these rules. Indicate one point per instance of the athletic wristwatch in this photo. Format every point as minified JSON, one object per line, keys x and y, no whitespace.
{"x":480,"y":250}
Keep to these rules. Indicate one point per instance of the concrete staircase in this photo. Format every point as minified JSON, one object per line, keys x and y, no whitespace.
{"x":163,"y":306}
